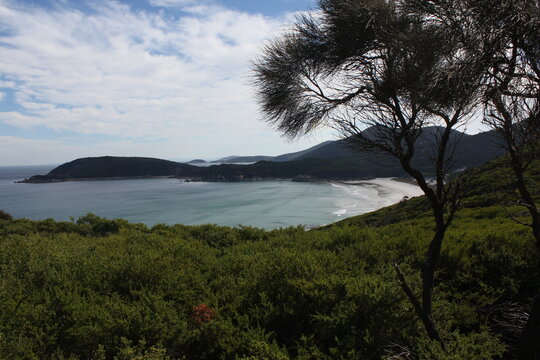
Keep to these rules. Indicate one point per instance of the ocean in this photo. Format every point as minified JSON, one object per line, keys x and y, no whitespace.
{"x":265,"y":204}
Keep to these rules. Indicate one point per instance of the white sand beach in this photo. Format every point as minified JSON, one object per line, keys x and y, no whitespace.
{"x":393,"y":189}
{"x":363,"y":196}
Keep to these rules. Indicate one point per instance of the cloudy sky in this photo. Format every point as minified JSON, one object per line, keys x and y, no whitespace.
{"x":159,"y":78}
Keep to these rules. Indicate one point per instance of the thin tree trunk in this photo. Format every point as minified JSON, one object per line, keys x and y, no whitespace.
{"x":507,"y":132}
{"x":425,"y":310}
{"x":531,"y":206}
{"x":427,"y":320}
{"x":529,"y":344}
{"x":518,"y":168}
{"x":428,"y":271}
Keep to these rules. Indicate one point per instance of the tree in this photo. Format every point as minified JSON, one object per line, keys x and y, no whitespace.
{"x":512,"y":108}
{"x":511,"y":95}
{"x":381,"y":75}
{"x":510,"y":63}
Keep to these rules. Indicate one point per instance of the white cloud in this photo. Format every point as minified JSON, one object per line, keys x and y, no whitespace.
{"x":2,"y":95}
{"x":136,"y":74}
{"x":16,"y":150}
{"x":54,"y":151}
{"x":175,"y":3}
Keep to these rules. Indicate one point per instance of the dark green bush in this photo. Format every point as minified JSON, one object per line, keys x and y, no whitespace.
{"x":108,"y":289}
{"x":99,"y":226}
{"x":5,"y":216}
{"x":285,"y":294}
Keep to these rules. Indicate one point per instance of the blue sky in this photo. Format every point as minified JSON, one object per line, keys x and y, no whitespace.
{"x":160,"y":78}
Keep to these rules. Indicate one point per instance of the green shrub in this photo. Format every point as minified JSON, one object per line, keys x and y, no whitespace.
{"x":5,"y":216}
{"x":107,"y":289}
{"x":477,"y":346}
{"x":99,"y":226}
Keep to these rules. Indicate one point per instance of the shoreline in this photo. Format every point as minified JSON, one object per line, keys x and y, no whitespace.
{"x":299,"y":178}
{"x":150,"y":177}
{"x":395,"y":189}
{"x":59,"y":180}
{"x":384,"y":192}
{"x":347,"y":200}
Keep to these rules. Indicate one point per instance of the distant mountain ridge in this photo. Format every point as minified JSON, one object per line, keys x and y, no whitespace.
{"x":281,"y":158}
{"x":331,"y":160}
{"x":473,"y":150}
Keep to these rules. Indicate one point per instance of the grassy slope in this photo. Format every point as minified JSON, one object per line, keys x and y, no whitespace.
{"x":102,"y":289}
{"x":483,"y":190}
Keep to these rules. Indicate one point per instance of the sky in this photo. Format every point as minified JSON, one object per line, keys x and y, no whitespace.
{"x":157,"y":78}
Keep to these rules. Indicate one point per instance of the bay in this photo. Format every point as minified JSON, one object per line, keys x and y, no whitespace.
{"x":268,"y":204}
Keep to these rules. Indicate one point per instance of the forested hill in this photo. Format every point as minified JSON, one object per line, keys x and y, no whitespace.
{"x":110,"y":167}
{"x":105,"y":168}
{"x":326,"y":161}
{"x":473,"y":150}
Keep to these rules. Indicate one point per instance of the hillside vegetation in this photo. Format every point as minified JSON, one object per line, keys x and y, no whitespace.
{"x":109,"y":289}
{"x":473,"y":150}
{"x":333,"y":160}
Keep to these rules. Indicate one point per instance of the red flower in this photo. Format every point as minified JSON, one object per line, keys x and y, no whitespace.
{"x":202,"y":313}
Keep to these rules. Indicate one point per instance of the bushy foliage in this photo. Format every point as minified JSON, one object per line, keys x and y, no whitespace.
{"x":286,"y":294}
{"x":99,"y":226}
{"x":5,"y":216}
{"x":107,"y":289}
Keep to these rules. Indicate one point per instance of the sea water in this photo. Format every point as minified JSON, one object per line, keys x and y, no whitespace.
{"x":266,"y":204}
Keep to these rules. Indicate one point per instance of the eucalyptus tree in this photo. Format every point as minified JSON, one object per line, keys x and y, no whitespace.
{"x":382,"y":76}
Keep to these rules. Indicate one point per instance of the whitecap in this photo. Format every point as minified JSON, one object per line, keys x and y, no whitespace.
{"x":340,"y":212}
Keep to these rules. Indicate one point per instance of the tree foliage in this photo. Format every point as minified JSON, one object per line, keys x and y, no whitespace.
{"x":511,"y":94}
{"x":382,"y":74}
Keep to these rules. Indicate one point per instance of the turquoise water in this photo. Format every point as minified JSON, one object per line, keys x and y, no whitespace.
{"x":269,"y":204}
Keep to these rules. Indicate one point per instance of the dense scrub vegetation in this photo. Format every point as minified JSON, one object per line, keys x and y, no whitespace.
{"x":109,"y":289}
